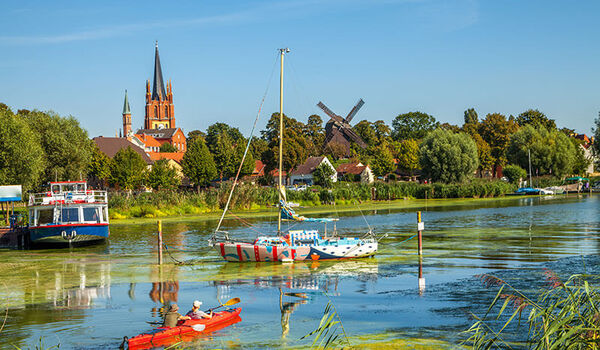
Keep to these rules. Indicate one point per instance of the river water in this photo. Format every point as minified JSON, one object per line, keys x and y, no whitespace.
{"x":90,"y":298}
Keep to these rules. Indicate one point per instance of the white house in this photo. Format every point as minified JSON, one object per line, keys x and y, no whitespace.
{"x":303,"y":174}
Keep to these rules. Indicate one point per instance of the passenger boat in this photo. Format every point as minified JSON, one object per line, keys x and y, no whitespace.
{"x":186,"y":331}
{"x":68,"y":214}
{"x":295,"y":245}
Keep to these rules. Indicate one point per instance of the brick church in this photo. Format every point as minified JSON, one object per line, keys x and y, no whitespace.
{"x":159,"y":121}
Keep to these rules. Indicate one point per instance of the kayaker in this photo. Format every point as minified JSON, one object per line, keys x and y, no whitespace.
{"x":195,"y":313}
{"x":173,"y":316}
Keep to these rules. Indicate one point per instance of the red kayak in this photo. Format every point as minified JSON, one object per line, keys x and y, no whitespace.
{"x":185,"y":331}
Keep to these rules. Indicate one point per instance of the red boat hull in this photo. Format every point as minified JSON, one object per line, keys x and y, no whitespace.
{"x":163,"y":336}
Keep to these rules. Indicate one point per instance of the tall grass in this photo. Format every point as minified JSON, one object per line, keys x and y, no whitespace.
{"x":247,"y":196}
{"x":330,"y":333}
{"x":564,"y":315}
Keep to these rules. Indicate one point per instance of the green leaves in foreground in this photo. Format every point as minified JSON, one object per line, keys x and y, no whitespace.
{"x":563,"y":316}
{"x":40,"y":346}
{"x":330,"y":331}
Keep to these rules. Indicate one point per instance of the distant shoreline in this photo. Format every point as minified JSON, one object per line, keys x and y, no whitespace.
{"x":322,"y":209}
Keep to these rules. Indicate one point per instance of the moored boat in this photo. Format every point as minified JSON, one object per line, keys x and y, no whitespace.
{"x":186,"y":331}
{"x":68,"y":214}
{"x":296,"y":245}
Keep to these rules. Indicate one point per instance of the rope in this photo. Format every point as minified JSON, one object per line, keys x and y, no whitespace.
{"x":408,"y":239}
{"x":245,"y":153}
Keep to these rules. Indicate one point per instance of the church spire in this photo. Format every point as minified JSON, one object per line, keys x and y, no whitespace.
{"x":158,"y":88}
{"x":126,"y":109}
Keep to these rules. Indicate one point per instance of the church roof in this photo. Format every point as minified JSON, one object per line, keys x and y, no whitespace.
{"x":158,"y":87}
{"x":126,"y":109}
{"x":159,"y":133}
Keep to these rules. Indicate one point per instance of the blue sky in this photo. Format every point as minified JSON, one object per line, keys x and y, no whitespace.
{"x":438,"y":57}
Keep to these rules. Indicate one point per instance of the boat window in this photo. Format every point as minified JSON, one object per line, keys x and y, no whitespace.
{"x":80,"y":187}
{"x":91,"y":214}
{"x":45,"y":216}
{"x":55,"y":188}
{"x":70,"y":214}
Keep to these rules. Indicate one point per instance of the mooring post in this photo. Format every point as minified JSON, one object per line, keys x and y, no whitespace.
{"x":421,"y":278}
{"x":160,"y":242}
{"x":420,"y":228}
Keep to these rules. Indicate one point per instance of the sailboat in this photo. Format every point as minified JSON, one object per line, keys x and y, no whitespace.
{"x":294,"y":245}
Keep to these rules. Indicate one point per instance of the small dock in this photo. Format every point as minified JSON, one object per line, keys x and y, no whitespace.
{"x":13,"y":238}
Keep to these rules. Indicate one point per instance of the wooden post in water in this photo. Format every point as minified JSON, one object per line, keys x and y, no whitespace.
{"x":160,"y":242}
{"x":421,"y":278}
{"x":420,"y":227}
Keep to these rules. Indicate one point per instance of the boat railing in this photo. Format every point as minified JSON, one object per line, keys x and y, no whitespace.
{"x":50,"y":198}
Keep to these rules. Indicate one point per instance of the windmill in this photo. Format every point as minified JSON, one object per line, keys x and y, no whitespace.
{"x":339,"y":130}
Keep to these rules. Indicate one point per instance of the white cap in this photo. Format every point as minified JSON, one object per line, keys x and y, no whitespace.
{"x":197,"y":303}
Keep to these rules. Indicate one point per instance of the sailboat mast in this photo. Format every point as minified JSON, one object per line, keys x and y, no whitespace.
{"x":529,"y":156}
{"x":282,"y":52}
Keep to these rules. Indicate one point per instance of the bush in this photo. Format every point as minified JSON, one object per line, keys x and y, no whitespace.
{"x":514,"y":173}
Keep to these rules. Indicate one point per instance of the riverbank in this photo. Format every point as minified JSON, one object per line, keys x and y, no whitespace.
{"x":327,"y":210}
{"x":259,"y":201}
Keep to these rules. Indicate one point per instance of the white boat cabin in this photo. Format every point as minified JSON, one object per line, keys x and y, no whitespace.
{"x":67,"y":203}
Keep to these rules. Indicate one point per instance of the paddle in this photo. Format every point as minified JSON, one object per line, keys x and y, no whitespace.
{"x":201,"y":327}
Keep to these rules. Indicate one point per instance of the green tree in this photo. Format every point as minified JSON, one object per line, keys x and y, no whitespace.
{"x":162,"y":176}
{"x":21,"y":156}
{"x":198,"y":164}
{"x":382,"y":162}
{"x":535,"y":118}
{"x":128,"y":169}
{"x":407,"y":153}
{"x":596,"y":132}
{"x":223,"y":141}
{"x":382,"y":131}
{"x":322,"y":175}
{"x":514,"y":173}
{"x":248,"y":166}
{"x":316,"y":134}
{"x":167,"y":148}
{"x":67,"y":148}
{"x":413,"y":125}
{"x":551,"y":151}
{"x":471,"y":116}
{"x":373,"y":134}
{"x":295,"y":143}
{"x":580,"y":161}
{"x":495,"y":129}
{"x":258,"y":146}
{"x":484,"y":152}
{"x":192,"y":135}
{"x":448,"y":157}
{"x":366,"y":130}
{"x":99,"y":167}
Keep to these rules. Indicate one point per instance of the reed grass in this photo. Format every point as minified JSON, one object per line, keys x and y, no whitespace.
{"x":563,"y":315}
{"x":253,"y":197}
{"x":39,"y":346}
{"x":330,"y":333}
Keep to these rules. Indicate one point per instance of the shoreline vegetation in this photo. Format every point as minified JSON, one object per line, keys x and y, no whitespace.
{"x":252,"y":200}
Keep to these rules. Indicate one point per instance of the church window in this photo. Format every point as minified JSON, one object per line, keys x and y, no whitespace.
{"x":155,"y":112}
{"x":166,"y":111}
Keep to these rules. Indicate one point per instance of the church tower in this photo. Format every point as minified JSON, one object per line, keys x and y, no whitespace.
{"x":127,"y":132}
{"x":160,"y":112}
